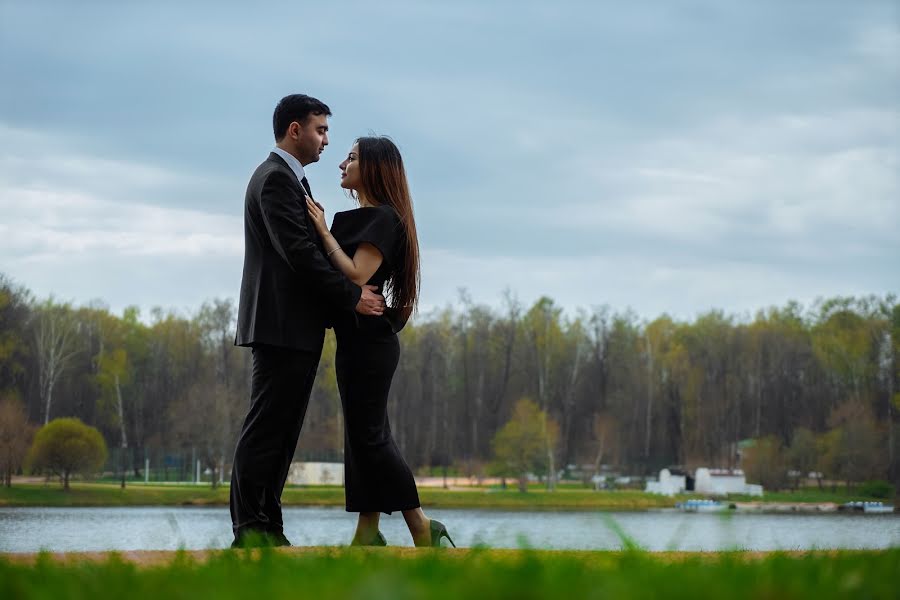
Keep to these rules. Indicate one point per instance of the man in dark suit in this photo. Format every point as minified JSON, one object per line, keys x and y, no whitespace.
{"x":287,"y":292}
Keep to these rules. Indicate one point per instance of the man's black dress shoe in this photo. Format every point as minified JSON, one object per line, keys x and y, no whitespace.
{"x":252,"y":538}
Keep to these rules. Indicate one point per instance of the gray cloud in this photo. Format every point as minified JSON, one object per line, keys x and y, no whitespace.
{"x":667,"y":157}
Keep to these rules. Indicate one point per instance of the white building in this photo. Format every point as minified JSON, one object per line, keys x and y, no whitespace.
{"x":719,"y":482}
{"x":316,"y":473}
{"x":668,"y":484}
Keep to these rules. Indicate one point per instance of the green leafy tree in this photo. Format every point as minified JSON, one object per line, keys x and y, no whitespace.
{"x":521,"y":445}
{"x":858,"y":450}
{"x":121,"y":374}
{"x":803,"y":454}
{"x":843,"y":343}
{"x":114,"y":374}
{"x":658,"y":343}
{"x":15,"y":313}
{"x":65,"y":447}
{"x":15,"y":436}
{"x":667,"y":391}
{"x":828,"y":448}
{"x":764,"y":463}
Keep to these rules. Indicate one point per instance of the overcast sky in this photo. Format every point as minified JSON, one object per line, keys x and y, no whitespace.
{"x":663,"y":156}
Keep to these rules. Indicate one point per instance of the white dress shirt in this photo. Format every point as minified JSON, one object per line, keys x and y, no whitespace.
{"x":292,"y":162}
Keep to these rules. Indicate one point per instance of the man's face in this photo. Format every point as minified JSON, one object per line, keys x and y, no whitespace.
{"x":312,"y":137}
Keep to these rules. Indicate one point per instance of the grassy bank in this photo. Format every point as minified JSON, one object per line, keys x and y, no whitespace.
{"x":354,"y":573}
{"x":93,"y":494}
{"x":98,"y":494}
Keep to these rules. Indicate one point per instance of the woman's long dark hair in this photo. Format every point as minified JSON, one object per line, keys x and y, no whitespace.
{"x":384,"y":181}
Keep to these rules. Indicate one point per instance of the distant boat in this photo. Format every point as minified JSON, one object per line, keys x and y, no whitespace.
{"x":866,"y":507}
{"x":702,"y":506}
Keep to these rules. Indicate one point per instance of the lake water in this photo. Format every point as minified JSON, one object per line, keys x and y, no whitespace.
{"x":170,"y":528}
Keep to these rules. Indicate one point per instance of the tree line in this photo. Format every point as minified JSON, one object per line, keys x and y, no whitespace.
{"x":612,"y":388}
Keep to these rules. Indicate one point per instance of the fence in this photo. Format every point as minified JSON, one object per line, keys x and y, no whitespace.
{"x":182,"y":465}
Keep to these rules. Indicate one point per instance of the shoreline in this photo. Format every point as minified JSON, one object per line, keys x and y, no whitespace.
{"x":157,"y":558}
{"x":47,"y":495}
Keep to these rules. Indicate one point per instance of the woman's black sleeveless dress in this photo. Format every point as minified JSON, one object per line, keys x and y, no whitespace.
{"x":377,"y":478}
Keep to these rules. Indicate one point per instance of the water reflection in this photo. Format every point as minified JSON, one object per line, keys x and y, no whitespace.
{"x":168,"y":528}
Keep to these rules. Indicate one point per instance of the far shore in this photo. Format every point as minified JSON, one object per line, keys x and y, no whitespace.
{"x":565,"y":498}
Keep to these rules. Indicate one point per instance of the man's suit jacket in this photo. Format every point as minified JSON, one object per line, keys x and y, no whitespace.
{"x":288,"y":287}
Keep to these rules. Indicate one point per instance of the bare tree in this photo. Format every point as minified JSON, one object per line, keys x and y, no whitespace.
{"x":886,"y":373}
{"x":543,"y":327}
{"x":15,"y":438}
{"x":204,"y":418}
{"x":55,"y":330}
{"x":604,"y":431}
{"x":577,"y":347}
{"x":508,"y":331}
{"x":113,"y":373}
{"x":217,"y":322}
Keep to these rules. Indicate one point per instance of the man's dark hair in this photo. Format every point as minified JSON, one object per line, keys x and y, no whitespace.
{"x":296,"y":107}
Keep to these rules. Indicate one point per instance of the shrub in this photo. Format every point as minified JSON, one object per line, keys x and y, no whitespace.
{"x":876,"y":489}
{"x":764,"y":463}
{"x":67,"y":446}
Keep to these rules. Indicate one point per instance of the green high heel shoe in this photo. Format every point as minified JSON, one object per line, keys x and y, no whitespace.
{"x":378,"y":541}
{"x":438,"y":531}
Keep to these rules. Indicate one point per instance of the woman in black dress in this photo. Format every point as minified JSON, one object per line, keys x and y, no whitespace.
{"x":375,"y":244}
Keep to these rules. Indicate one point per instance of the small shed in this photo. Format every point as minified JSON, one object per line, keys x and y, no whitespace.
{"x":316,"y":473}
{"x":668,"y":484}
{"x":719,"y":482}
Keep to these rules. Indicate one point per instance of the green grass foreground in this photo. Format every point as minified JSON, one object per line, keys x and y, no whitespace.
{"x":380,"y":574}
{"x":98,"y":494}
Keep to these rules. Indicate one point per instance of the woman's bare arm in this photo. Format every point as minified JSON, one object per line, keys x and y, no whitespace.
{"x":358,"y":268}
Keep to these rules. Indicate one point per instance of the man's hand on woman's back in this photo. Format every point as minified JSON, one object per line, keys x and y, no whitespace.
{"x":370,"y":301}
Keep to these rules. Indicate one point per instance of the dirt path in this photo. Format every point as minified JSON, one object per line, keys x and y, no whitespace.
{"x":157,"y":558}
